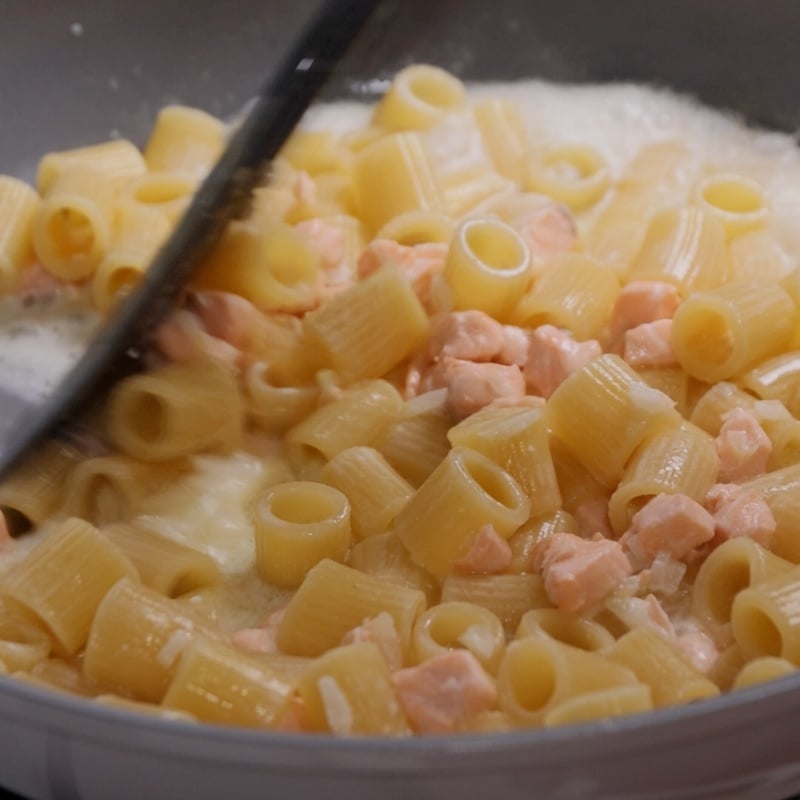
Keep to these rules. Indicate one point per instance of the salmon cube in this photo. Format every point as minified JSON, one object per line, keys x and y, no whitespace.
{"x":553,"y":356}
{"x":440,"y":695}
{"x":739,"y":512}
{"x":640,"y":302}
{"x":649,"y":345}
{"x":673,"y":523}
{"x":742,"y":446}
{"x":490,"y":554}
{"x":472,"y":386}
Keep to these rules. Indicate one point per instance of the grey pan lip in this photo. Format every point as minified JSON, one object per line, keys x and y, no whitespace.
{"x":685,"y":721}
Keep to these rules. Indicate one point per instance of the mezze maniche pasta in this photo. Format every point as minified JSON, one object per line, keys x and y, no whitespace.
{"x":483,"y":419}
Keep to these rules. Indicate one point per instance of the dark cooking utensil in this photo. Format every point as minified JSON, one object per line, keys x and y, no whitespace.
{"x":117,"y":345}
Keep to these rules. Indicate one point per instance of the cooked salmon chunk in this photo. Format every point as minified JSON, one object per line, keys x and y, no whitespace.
{"x":468,"y":335}
{"x":548,"y":231}
{"x":579,"y":573}
{"x":738,"y":512}
{"x":553,"y":356}
{"x":641,"y":302}
{"x":228,"y":317}
{"x":649,"y":345}
{"x":379,"y":630}
{"x":472,"y":386}
{"x":440,"y":695}
{"x":673,"y":523}
{"x":742,"y":446}
{"x":489,"y":554}
{"x":327,"y":240}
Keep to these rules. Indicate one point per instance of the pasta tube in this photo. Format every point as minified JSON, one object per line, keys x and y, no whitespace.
{"x":488,"y":266}
{"x":44,"y":583}
{"x":18,"y":204}
{"x":420,"y":96}
{"x":298,"y":524}
{"x":464,"y":492}
{"x":175,"y":411}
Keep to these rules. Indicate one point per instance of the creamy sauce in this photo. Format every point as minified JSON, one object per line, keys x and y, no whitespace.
{"x":618,"y":120}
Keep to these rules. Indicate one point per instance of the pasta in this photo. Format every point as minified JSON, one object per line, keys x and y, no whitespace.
{"x":467,"y":425}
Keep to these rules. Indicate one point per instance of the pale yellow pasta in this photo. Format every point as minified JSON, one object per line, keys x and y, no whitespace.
{"x":348,"y":691}
{"x":316,"y":152}
{"x":417,"y":443}
{"x":333,"y":599}
{"x":371,"y":327}
{"x":282,"y":345}
{"x":73,"y":224}
{"x":573,"y":174}
{"x":757,"y":255}
{"x":602,"y":412}
{"x":683,"y":246}
{"x":176,"y":410}
{"x":418,"y":227}
{"x":539,"y":674}
{"x":106,"y":489}
{"x":781,"y":490}
{"x":716,"y":402}
{"x":297,"y":525}
{"x":659,"y":664}
{"x":274,"y":407}
{"x":783,"y":431}
{"x":488,"y":266}
{"x":504,"y":133}
{"x":184,"y":139}
{"x":732,"y":567}
{"x":401,"y":161}
{"x":577,"y":484}
{"x":166,"y":192}
{"x":736,"y":201}
{"x":727,"y":666}
{"x":18,"y":204}
{"x":165,"y":565}
{"x":216,"y":683}
{"x":136,"y":641}
{"x":118,"y":160}
{"x":488,"y":722}
{"x":468,"y":190}
{"x":460,"y":626}
{"x":566,"y":628}
{"x":32,"y":492}
{"x":777,"y":378}
{"x":653,"y":180}
{"x":573,"y":292}
{"x":58,"y":674}
{"x":23,"y":641}
{"x":419,"y":97}
{"x":358,"y":417}
{"x":377,"y":493}
{"x":680,"y":460}
{"x":617,"y":701}
{"x":138,"y":234}
{"x":525,"y":541}
{"x":516,"y":439}
{"x":274,"y":266}
{"x":760,"y":670}
{"x":765,"y":617}
{"x":45,"y":581}
{"x":465,"y":492}
{"x":672,"y":381}
{"x":384,"y":556}
{"x":508,"y":597}
{"x":721,"y":333}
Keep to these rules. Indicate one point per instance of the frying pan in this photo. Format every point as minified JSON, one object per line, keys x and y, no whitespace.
{"x":75,"y":71}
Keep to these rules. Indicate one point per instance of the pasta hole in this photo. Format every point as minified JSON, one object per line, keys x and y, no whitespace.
{"x":148,"y":417}
{"x":16,"y":522}
{"x":301,"y":505}
{"x":724,"y":587}
{"x":434,"y":90}
{"x":575,"y":632}
{"x":103,"y":502}
{"x":709,"y":336}
{"x":492,"y":481}
{"x":761,"y":634}
{"x":121,"y":281}
{"x":494,"y":246}
{"x":533,"y":678}
{"x":71,"y":233}
{"x":447,"y":625}
{"x":734,"y":196}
